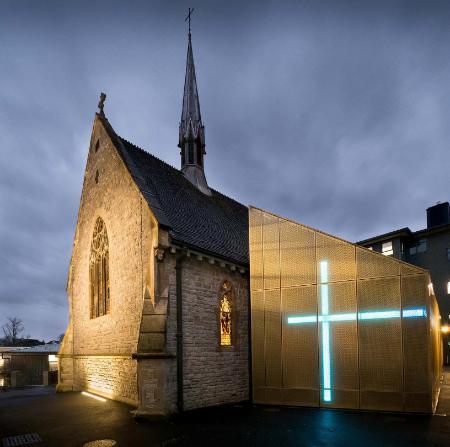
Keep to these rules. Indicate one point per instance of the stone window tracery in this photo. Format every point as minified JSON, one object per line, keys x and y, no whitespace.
{"x":99,"y":271}
{"x":226,"y":303}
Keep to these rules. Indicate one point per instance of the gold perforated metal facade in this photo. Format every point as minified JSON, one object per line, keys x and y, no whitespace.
{"x":336,"y":325}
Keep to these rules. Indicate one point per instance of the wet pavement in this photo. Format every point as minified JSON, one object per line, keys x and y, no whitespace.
{"x":72,"y":419}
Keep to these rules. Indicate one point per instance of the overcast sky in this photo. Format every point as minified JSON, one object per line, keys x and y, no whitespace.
{"x":335,"y":114}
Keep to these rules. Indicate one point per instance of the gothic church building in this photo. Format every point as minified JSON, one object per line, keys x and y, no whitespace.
{"x":158,"y":280}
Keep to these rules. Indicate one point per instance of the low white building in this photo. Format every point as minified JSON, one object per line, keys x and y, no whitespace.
{"x":31,"y":365}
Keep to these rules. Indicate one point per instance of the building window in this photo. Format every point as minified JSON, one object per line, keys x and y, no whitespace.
{"x":448,"y":288}
{"x":386,"y":248}
{"x":448,"y":254}
{"x":420,"y":247}
{"x":99,"y":271}
{"x":53,"y":362}
{"x":225,"y":314}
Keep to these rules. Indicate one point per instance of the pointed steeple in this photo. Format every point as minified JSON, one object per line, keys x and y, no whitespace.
{"x":191,"y":104}
{"x":192,"y":132}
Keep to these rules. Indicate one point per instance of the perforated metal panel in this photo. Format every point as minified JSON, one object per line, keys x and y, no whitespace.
{"x":271,"y":252}
{"x":320,"y":336}
{"x":415,"y":342}
{"x":256,"y":252}
{"x":340,"y":256}
{"x":435,"y":348}
{"x":343,"y":347}
{"x":408,"y":269}
{"x":258,"y":336}
{"x":297,"y":255}
{"x":375,"y":265}
{"x":300,"y":347}
{"x":380,"y":346}
{"x":273,"y":337}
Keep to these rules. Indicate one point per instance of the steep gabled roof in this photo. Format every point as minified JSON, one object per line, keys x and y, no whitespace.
{"x":215,"y":224}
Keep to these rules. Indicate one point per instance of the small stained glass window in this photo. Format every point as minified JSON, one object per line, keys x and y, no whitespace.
{"x":225,"y":314}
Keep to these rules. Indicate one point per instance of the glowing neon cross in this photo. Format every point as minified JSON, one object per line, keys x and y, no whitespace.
{"x":325,"y":318}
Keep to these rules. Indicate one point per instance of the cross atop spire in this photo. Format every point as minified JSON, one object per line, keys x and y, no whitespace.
{"x":188,"y":19}
{"x":192,"y":132}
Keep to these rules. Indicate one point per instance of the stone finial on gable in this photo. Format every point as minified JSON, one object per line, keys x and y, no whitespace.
{"x":101,"y":103}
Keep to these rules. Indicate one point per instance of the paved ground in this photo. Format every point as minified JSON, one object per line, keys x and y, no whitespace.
{"x":71,"y":419}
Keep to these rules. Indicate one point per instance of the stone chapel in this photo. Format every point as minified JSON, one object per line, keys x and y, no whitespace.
{"x":158,"y":284}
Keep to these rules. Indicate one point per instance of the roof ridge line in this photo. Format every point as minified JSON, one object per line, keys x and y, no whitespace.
{"x":148,"y":153}
{"x":228,"y":197}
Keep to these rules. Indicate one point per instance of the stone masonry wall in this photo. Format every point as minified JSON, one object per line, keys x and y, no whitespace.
{"x":102,"y":347}
{"x":110,"y":193}
{"x":113,"y":377}
{"x":213,"y":375}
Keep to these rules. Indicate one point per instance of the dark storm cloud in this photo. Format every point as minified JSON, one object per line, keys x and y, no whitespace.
{"x":332,"y":113}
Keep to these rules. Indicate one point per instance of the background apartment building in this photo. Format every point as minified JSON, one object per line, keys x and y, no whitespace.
{"x":428,"y":248}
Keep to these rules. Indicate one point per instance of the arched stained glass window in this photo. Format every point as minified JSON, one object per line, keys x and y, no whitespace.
{"x":99,"y":271}
{"x":225,"y":314}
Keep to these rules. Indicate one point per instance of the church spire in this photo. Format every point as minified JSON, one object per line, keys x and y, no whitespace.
{"x":192,"y":132}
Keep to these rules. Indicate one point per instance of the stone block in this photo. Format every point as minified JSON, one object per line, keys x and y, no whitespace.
{"x":153,"y":323}
{"x":152,"y":342}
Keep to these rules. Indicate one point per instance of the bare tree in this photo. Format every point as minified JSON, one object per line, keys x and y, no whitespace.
{"x":12,"y":329}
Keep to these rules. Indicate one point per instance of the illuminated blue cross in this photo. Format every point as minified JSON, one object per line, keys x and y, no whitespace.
{"x":325,"y":318}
